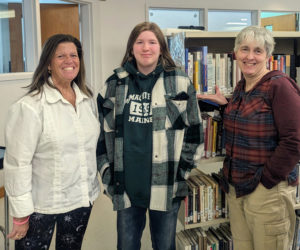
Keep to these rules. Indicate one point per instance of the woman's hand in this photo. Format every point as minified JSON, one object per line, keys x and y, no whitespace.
{"x":20,"y":228}
{"x":218,"y":97}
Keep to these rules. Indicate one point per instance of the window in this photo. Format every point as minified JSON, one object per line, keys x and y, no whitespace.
{"x":172,"y":18}
{"x":16,"y":44}
{"x":11,"y":37}
{"x":222,"y":20}
{"x":280,"y":21}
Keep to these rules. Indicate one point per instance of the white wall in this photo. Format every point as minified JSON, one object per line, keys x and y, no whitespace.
{"x":117,"y":19}
{"x":10,"y":91}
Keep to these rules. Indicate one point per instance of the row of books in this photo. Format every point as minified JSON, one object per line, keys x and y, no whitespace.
{"x":206,"y":200}
{"x":298,"y":186}
{"x":296,"y":239}
{"x":206,"y":70}
{"x":214,"y":134}
{"x":218,"y":238}
{"x":284,"y":63}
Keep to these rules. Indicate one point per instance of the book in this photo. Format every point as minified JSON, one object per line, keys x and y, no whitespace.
{"x":190,"y":66}
{"x":221,"y":195}
{"x":211,"y":73}
{"x":209,"y":198}
{"x":212,"y":239}
{"x":214,"y":196}
{"x":195,"y":203}
{"x":203,"y":80}
{"x":201,"y":197}
{"x":204,"y":199}
{"x":186,"y":209}
{"x":218,"y":237}
{"x":204,"y":237}
{"x":196,"y":76}
{"x":214,"y":138}
{"x":288,"y":65}
{"x":217,"y":57}
{"x":217,"y":196}
{"x":226,"y":237}
{"x":190,"y":239}
{"x":296,"y":238}
{"x":181,"y":241}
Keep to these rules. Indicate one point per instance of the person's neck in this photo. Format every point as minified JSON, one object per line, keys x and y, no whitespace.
{"x":66,"y":90}
{"x":146,"y":70}
{"x":251,"y":81}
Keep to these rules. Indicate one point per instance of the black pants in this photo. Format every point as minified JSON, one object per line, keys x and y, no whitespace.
{"x":70,"y":229}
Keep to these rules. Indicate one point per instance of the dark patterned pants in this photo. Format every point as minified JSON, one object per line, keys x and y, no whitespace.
{"x":70,"y":229}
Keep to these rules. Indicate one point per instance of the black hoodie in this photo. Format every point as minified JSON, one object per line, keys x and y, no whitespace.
{"x":138,"y":135}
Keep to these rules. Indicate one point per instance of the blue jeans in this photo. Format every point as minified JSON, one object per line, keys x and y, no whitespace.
{"x":131,"y":223}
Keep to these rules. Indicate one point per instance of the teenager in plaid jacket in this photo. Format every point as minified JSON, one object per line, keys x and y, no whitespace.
{"x":151,"y":137}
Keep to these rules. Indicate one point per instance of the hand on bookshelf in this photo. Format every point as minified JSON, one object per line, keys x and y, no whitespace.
{"x":218,"y":97}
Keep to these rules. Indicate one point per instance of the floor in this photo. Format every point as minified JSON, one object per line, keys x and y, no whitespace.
{"x":101,"y":231}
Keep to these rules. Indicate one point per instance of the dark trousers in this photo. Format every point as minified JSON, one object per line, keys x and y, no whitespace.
{"x":70,"y":229}
{"x":131,"y":223}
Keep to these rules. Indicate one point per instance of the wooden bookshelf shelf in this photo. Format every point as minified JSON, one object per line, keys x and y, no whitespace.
{"x":226,"y":34}
{"x":206,"y":223}
{"x":211,"y":160}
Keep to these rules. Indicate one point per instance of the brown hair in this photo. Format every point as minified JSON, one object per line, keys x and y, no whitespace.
{"x":165,"y":57}
{"x":41,"y":74}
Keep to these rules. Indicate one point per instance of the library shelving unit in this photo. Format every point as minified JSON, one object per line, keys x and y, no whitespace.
{"x":212,"y":164}
{"x":287,"y":42}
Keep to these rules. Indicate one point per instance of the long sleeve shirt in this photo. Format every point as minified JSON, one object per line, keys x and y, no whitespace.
{"x":50,"y":158}
{"x":262,"y":128}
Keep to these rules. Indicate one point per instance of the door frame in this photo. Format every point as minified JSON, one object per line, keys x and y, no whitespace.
{"x":90,"y":38}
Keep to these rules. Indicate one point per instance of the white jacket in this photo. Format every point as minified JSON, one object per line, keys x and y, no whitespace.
{"x":50,"y":158}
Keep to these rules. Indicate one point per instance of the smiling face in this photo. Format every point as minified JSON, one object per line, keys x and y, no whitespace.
{"x":252,"y":59}
{"x":146,"y":50}
{"x":65,"y":63}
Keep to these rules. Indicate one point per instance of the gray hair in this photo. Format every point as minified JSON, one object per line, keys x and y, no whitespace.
{"x":259,"y":34}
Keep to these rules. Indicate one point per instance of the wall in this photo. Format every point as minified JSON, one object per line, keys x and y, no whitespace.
{"x":116,"y":25}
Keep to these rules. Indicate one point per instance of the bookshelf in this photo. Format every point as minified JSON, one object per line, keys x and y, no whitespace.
{"x":223,"y":42}
{"x":287,"y":42}
{"x":212,"y":164}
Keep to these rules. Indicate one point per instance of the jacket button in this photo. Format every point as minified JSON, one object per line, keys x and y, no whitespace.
{"x":118,"y":183}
